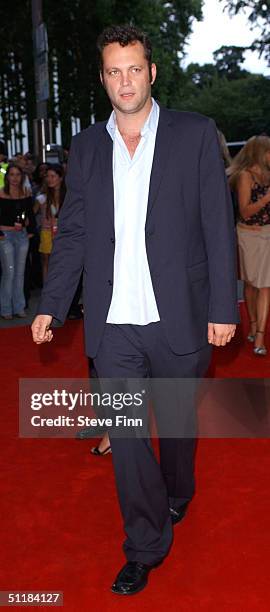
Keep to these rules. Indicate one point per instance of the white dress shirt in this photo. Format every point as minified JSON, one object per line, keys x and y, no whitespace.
{"x":133,"y":299}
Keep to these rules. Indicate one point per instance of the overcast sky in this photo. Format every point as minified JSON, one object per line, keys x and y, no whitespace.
{"x":218,"y":29}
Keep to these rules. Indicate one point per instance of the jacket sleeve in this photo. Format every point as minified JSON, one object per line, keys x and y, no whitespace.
{"x":66,"y":260}
{"x":218,"y":229}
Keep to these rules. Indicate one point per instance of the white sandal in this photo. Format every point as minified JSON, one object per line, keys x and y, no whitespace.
{"x":260,"y":350}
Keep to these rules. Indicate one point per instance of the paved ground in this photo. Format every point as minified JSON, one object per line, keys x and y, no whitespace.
{"x":30,"y":311}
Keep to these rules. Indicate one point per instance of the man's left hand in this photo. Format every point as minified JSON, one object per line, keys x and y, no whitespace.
{"x":220,"y":334}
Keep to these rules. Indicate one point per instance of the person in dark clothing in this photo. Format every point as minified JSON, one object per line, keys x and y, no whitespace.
{"x":148,"y":217}
{"x":17,"y":225}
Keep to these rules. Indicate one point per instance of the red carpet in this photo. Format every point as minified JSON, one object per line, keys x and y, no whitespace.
{"x":61,"y":527}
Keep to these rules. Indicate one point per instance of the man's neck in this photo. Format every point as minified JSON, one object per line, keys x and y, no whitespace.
{"x":130,"y":125}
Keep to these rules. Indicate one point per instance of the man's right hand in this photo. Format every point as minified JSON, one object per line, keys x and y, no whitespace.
{"x":41,"y":331}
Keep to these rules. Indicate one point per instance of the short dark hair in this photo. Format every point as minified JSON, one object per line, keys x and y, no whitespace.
{"x":124,"y":35}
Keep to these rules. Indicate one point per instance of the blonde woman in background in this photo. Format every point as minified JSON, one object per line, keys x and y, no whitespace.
{"x":249,"y":176}
{"x":224,"y":149}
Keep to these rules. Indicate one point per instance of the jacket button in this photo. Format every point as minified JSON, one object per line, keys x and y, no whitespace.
{"x":110,"y":283}
{"x":112,"y":240}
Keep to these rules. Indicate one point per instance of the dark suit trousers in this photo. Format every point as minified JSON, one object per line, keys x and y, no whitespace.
{"x":146,"y":488}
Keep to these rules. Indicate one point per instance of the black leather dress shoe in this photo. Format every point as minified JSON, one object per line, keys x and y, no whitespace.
{"x":178,"y":515}
{"x":131,"y":579}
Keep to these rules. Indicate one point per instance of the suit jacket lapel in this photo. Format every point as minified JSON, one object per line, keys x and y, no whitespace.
{"x":161,"y":154}
{"x":106,"y":159}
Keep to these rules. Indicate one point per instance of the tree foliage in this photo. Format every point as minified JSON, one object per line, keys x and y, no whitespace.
{"x":17,"y":98}
{"x":258,"y":15}
{"x":240,"y":107}
{"x":73,"y":27}
{"x":236,"y":99}
{"x":228,"y":61}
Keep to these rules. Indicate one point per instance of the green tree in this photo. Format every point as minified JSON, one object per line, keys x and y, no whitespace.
{"x":17,"y":97}
{"x":73,"y":27}
{"x":228,"y":62}
{"x":258,"y":15}
{"x":201,"y":75}
{"x":240,"y":107}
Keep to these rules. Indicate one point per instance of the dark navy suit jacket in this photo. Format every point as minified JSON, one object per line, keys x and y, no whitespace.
{"x":189,"y":233}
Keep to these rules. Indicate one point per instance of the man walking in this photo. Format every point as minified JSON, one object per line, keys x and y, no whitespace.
{"x":148,"y":218}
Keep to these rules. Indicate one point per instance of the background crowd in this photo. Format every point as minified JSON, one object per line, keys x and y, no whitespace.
{"x":31,"y":196}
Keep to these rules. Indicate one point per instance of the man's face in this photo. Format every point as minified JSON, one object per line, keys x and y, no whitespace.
{"x":126,"y":76}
